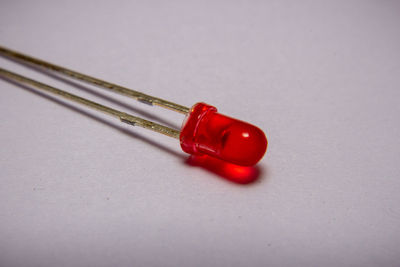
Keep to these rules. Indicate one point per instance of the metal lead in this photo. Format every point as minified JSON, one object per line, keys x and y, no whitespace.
{"x":86,"y":78}
{"x":124,"y":117}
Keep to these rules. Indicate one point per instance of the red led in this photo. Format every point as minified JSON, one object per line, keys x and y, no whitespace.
{"x":206,"y":131}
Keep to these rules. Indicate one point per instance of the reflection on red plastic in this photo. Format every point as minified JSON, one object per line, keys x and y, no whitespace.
{"x":208,"y":132}
{"x":231,"y":172}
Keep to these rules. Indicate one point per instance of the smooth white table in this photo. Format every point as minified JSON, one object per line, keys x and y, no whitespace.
{"x":322,"y":78}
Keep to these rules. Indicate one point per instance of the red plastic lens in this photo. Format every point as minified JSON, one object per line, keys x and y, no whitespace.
{"x":208,"y":132}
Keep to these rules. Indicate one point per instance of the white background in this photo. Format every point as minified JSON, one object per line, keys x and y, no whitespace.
{"x":321,"y":78}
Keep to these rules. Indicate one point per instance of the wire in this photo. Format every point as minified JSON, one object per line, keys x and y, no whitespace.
{"x":86,"y":78}
{"x":124,"y":117}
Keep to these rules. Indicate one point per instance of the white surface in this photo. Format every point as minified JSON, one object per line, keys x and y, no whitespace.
{"x":322,"y":78}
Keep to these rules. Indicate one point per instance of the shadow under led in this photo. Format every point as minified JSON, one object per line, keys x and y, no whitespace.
{"x":231,"y":172}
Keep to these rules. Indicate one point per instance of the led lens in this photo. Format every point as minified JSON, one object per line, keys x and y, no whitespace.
{"x":205,"y":131}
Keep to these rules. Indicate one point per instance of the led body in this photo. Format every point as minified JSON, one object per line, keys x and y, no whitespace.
{"x":205,"y":131}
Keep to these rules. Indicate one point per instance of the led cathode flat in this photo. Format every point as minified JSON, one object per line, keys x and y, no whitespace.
{"x":204,"y":131}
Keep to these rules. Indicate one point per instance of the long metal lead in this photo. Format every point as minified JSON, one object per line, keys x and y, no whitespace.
{"x":80,"y":76}
{"x":124,"y":117}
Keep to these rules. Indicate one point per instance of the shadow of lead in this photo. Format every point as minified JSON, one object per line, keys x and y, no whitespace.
{"x":204,"y":131}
